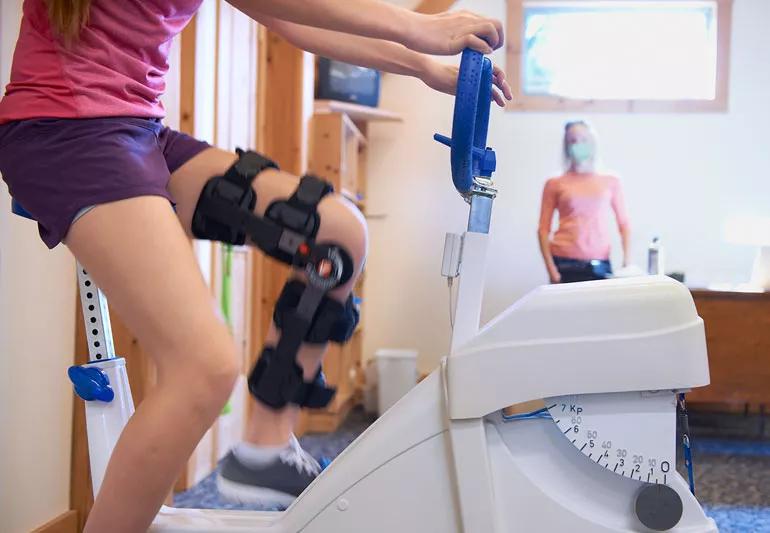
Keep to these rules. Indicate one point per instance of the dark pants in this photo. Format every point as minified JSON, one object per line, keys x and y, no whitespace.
{"x":573,"y":270}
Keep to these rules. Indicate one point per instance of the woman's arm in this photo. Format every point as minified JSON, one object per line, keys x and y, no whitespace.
{"x":442,"y":34}
{"x":621,"y":215}
{"x":545,"y":249}
{"x":373,"y":53}
{"x":625,"y":239}
{"x":547,"y":207}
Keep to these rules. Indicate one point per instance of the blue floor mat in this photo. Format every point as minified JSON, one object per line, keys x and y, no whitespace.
{"x":732,"y":447}
{"x":739,"y":519}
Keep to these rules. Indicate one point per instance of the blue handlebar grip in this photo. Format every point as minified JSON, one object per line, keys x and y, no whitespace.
{"x":471,"y":120}
{"x":484,"y":103}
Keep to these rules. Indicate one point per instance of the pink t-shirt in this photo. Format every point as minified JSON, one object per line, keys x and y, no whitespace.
{"x":115,"y":68}
{"x":582,"y":201}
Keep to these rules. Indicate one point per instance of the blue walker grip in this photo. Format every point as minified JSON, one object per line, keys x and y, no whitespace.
{"x":468,"y":152}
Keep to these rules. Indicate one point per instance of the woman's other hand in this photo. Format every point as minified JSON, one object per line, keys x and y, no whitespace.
{"x":451,"y":32}
{"x":443,"y":78}
{"x":554,"y":276}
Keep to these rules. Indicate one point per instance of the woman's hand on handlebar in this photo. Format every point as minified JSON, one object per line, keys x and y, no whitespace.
{"x":451,"y":32}
{"x":443,"y":78}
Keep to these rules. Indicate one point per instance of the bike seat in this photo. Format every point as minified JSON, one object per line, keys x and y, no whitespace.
{"x":17,"y":209}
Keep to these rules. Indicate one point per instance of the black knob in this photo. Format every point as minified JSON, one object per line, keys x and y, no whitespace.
{"x":658,"y":507}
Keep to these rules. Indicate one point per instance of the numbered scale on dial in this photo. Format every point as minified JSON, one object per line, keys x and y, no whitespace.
{"x":632,"y":434}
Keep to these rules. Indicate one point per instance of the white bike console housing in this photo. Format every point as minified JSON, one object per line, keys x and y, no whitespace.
{"x":633,"y":334}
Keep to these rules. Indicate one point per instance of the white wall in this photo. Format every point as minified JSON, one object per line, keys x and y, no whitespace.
{"x":683,"y":176}
{"x":37,"y":302}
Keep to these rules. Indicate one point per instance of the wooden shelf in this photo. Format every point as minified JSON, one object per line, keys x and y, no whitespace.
{"x":356,"y":112}
{"x":354,"y":130}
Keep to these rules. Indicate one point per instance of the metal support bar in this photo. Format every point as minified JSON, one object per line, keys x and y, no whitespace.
{"x":96,"y":316}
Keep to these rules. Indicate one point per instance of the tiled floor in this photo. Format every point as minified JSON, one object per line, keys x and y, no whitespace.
{"x":732,"y":477}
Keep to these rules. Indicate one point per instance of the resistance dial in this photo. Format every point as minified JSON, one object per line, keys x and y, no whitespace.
{"x":632,"y":434}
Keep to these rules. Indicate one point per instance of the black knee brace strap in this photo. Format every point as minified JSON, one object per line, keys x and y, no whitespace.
{"x":227,"y":200}
{"x":333,"y":321}
{"x":273,"y":392}
{"x":298,"y":213}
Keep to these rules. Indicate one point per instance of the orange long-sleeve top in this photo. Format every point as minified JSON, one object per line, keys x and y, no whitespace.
{"x":582,"y":201}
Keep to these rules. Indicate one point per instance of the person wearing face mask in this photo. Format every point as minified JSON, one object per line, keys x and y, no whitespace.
{"x":579,"y":250}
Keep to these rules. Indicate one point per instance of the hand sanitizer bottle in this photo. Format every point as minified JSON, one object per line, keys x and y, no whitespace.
{"x":655,"y":258}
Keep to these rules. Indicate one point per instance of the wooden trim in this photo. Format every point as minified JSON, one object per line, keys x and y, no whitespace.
{"x":282,"y":133}
{"x":724,"y":38}
{"x":262,"y":92}
{"x":708,"y":294}
{"x":523,"y":102}
{"x":64,"y":523}
{"x":187,"y":78}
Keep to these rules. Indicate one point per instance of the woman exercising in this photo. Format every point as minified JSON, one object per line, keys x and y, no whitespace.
{"x":580,"y":248}
{"x":82,"y":148}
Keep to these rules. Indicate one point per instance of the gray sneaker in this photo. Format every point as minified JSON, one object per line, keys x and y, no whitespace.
{"x":280,"y":481}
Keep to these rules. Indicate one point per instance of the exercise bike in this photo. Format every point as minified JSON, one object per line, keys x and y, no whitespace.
{"x":608,"y":358}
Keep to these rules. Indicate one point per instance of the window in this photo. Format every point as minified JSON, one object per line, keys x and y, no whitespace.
{"x":619,"y":55}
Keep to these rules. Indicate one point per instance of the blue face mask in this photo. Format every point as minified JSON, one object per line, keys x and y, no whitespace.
{"x":581,"y":152}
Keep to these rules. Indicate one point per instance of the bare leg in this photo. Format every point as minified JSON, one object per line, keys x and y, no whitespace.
{"x":341,"y":222}
{"x":137,"y":252}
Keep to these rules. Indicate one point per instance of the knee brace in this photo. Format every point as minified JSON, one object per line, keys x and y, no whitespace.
{"x":276,"y":379}
{"x":225,"y":212}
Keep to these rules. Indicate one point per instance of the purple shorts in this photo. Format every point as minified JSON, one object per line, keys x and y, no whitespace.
{"x":55,"y":168}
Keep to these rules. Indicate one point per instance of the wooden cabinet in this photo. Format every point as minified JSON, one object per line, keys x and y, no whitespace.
{"x":738,"y":341}
{"x":337,"y":153}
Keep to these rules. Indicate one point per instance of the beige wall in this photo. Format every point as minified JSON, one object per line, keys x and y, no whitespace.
{"x":684,"y":175}
{"x":37,"y":299}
